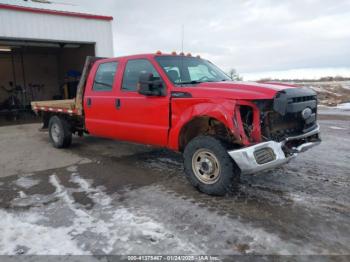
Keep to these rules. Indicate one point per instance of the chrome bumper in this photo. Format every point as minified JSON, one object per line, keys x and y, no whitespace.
{"x":246,"y":160}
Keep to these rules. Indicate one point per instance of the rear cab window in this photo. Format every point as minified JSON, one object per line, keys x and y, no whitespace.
{"x":104,"y":77}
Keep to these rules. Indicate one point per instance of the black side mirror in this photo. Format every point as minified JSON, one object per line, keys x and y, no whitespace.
{"x":150,"y":86}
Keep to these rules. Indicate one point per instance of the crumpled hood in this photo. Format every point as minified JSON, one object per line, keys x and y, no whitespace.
{"x":236,"y":90}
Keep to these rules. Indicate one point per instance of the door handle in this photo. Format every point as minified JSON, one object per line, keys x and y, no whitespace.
{"x":88,"y":102}
{"x":117,"y":103}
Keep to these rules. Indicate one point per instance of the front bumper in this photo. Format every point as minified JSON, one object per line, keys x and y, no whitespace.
{"x":271,"y":154}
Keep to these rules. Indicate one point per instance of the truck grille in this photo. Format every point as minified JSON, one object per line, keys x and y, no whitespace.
{"x":286,"y":117}
{"x":302,"y":99}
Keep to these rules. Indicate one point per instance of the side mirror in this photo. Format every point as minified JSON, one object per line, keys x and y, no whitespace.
{"x":148,"y":85}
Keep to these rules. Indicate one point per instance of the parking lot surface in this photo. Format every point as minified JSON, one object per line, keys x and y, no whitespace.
{"x":108,"y":197}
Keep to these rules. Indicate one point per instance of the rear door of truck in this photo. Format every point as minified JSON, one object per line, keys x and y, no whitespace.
{"x":99,"y":98}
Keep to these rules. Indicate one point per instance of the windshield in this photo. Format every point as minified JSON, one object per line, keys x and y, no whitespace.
{"x":183,"y":70}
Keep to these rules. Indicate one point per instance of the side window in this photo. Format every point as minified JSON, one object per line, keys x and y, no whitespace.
{"x":133,"y":70}
{"x":104,"y":77}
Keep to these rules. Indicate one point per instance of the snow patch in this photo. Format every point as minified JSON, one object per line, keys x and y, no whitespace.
{"x":346,"y":85}
{"x":317,"y":202}
{"x":24,"y":229}
{"x":72,"y":168}
{"x":22,"y":194}
{"x":26,"y":182}
{"x":96,"y":194}
{"x":344,"y":106}
{"x":64,"y":227}
{"x":337,"y":128}
{"x":31,"y":200}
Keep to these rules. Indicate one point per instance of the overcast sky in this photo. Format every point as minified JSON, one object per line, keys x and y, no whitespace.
{"x":305,"y":38}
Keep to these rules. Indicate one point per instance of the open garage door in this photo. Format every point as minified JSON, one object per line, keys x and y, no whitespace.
{"x":33,"y":70}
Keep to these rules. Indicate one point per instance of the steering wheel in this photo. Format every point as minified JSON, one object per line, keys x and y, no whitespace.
{"x":203,"y":79}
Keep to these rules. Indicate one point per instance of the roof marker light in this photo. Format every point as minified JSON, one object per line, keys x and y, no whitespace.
{"x":173,"y":53}
{"x":158,"y":52}
{"x":182,"y":53}
{"x":198,"y":56}
{"x":189,"y":54}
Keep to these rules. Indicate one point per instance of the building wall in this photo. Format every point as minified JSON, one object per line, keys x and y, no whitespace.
{"x":47,"y":27}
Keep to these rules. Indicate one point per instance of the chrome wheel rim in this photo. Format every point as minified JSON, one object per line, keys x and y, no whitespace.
{"x":55,"y":133}
{"x":206,"y":166}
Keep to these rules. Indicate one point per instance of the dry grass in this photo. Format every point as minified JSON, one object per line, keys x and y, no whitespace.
{"x":330,"y":93}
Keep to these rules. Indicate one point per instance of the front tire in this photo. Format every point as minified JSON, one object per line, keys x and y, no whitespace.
{"x":208,"y":166}
{"x":60,"y":132}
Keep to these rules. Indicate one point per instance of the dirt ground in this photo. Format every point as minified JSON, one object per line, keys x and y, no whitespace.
{"x":108,"y":197}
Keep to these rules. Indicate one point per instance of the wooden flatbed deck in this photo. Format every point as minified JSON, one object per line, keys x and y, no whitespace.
{"x":62,"y":106}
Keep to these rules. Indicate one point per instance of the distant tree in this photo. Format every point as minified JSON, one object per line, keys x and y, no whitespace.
{"x":234,"y":75}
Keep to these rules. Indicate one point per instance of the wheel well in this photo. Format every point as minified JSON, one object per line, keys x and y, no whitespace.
{"x":76,"y":125}
{"x":205,"y":125}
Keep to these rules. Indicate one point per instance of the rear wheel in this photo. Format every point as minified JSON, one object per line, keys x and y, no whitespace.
{"x":60,"y":132}
{"x":209,"y":167}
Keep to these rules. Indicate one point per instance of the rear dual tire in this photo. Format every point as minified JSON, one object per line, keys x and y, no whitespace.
{"x":209,"y":167}
{"x":60,"y":132}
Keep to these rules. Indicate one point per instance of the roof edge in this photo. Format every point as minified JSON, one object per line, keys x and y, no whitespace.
{"x":54,"y":12}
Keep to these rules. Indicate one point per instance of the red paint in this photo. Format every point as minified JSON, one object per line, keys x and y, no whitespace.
{"x":160,"y":120}
{"x":54,"y":12}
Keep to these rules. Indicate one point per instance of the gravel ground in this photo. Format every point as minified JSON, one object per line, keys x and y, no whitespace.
{"x":108,"y":197}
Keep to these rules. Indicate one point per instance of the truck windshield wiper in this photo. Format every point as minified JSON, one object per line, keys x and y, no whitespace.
{"x":189,"y":82}
{"x":196,"y":82}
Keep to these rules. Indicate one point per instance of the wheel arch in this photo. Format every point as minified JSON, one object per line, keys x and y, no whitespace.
{"x":218,"y":112}
{"x":205,"y":125}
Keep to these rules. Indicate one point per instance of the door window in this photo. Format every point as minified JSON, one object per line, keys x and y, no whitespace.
{"x":104,"y":77}
{"x":133,"y":70}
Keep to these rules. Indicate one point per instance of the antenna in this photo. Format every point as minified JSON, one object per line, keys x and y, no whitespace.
{"x":182,"y":52}
{"x":182,"y":38}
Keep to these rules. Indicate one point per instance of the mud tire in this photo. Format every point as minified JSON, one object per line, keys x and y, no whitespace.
{"x":229,"y":175}
{"x":60,"y":132}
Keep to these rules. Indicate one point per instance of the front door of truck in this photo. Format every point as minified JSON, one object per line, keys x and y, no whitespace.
{"x":99,"y":98}
{"x":141,"y":118}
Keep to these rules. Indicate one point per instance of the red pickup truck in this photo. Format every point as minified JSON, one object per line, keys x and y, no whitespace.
{"x":223,"y":128}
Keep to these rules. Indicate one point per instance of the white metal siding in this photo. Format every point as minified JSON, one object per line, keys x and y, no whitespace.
{"x":35,"y":26}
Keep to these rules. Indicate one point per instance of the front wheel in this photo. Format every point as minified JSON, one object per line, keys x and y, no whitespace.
{"x":209,"y":167}
{"x":60,"y":132}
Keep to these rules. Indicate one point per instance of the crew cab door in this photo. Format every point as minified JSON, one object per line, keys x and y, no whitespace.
{"x":99,"y":98}
{"x":140,"y":118}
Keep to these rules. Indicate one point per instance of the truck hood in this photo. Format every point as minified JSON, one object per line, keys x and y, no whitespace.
{"x":236,"y":90}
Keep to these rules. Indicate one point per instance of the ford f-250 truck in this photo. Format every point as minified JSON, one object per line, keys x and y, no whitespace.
{"x":223,"y":128}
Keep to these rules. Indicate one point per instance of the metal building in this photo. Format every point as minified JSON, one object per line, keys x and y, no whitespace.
{"x":40,"y":49}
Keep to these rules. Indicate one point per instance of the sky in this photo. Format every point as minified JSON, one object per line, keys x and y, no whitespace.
{"x":259,"y":38}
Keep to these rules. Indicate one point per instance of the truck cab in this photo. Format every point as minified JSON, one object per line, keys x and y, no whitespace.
{"x":223,"y":128}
